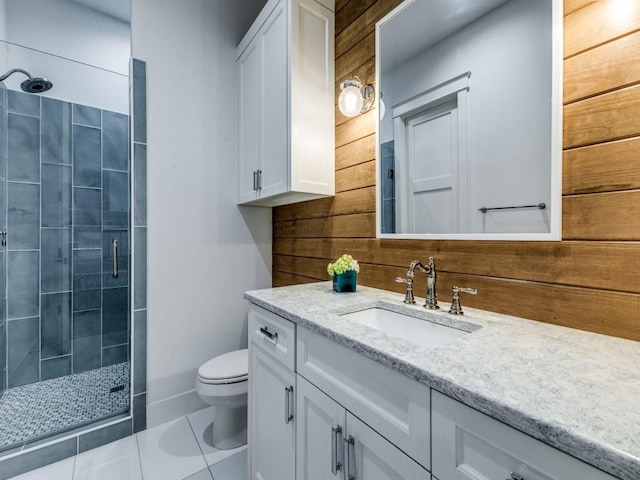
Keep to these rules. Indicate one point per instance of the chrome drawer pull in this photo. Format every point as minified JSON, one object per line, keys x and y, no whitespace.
{"x":515,"y":476}
{"x":273,"y":336}
{"x":335,"y":464}
{"x":349,"y":443}
{"x":288,"y":395}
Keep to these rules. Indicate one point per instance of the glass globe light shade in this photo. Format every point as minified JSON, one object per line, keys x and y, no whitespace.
{"x":350,"y":101}
{"x":383,"y":109}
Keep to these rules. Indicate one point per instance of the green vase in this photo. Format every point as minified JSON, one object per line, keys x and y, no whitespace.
{"x":345,"y":282}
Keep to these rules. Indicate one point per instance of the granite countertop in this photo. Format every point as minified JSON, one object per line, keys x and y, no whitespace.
{"x":577,"y":391}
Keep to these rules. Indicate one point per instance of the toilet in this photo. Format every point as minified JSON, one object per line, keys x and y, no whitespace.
{"x":223,"y":382}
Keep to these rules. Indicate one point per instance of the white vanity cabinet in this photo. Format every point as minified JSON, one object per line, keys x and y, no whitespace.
{"x":320,"y":410}
{"x":469,"y":445}
{"x":286,"y":104}
{"x":333,"y":443}
{"x":389,"y":402}
{"x":272,"y":381}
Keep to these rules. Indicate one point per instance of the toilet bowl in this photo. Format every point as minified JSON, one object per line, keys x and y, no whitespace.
{"x":223,"y":382}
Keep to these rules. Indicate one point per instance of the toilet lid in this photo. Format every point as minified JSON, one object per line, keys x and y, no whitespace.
{"x":233,"y":365}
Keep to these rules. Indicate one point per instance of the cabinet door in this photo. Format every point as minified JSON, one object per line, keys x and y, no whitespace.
{"x":371,"y":457}
{"x":274,"y":125}
{"x":249,"y":125}
{"x":320,"y":431}
{"x":312,"y":98}
{"x":271,"y":434}
{"x":392,"y":404}
{"x":469,"y":445}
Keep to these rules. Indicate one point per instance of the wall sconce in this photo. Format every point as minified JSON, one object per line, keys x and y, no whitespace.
{"x":355,"y":98}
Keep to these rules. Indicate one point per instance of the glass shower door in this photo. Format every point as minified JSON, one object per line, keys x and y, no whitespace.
{"x":3,"y":230}
{"x":65,"y":321}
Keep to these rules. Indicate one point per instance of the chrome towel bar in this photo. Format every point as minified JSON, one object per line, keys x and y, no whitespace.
{"x":540,"y":206}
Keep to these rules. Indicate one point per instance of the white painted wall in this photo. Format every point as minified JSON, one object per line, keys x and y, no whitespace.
{"x":69,"y":30}
{"x":89,"y":61}
{"x":509,"y":127}
{"x":3,"y":19}
{"x":3,"y":34}
{"x":204,"y":251}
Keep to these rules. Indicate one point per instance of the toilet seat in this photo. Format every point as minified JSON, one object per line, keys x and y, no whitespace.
{"x":229,"y":368}
{"x":226,"y":381}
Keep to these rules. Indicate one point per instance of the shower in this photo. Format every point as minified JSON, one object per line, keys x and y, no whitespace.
{"x":65,"y":349}
{"x":32,"y":84}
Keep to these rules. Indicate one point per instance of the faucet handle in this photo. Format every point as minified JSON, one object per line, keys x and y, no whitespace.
{"x":472,"y":291}
{"x":408,"y":298}
{"x":456,"y":306}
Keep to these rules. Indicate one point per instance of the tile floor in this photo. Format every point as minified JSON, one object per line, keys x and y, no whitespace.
{"x":178,"y":450}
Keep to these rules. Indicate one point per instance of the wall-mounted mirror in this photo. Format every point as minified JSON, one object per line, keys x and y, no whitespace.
{"x":469,"y":120}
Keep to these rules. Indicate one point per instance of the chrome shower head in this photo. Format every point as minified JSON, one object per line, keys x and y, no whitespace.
{"x":31,"y":85}
{"x":36,"y":85}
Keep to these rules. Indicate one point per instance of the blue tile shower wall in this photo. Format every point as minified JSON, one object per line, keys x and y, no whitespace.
{"x":65,"y":169}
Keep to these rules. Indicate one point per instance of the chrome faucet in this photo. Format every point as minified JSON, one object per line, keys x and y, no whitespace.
{"x":408,"y":298}
{"x":431,"y":302}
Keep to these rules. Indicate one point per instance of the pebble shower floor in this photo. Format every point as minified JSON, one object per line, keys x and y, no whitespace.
{"x":38,"y":410}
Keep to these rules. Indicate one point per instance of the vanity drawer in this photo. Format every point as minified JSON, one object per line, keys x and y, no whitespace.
{"x":276,"y":335}
{"x":469,"y":445}
{"x":392,"y":404}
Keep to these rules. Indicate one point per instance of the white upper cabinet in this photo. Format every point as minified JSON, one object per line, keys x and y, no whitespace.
{"x":286,"y":104}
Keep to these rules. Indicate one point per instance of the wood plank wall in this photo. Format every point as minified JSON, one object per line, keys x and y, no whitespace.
{"x":590,"y":280}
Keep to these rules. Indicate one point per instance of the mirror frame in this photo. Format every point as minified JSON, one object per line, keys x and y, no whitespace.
{"x":555,"y":233}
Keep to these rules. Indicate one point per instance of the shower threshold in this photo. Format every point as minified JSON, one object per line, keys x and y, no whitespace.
{"x":39,"y":410}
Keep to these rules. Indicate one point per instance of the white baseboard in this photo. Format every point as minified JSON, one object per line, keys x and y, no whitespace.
{"x":171,"y":408}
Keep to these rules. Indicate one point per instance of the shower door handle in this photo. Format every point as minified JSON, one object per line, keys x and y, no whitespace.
{"x":115,"y":258}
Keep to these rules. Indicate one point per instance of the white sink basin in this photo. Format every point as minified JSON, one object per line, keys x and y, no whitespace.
{"x":414,"y":330}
